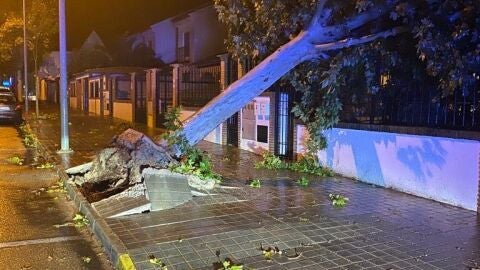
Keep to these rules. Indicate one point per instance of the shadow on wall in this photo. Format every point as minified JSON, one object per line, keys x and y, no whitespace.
{"x":374,"y":152}
{"x":417,"y":158}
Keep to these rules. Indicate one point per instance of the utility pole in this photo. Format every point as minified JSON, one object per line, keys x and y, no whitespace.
{"x":64,"y":139}
{"x":25,"y":69}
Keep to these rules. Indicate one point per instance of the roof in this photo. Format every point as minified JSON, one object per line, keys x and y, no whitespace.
{"x":185,"y":14}
{"x":110,"y":70}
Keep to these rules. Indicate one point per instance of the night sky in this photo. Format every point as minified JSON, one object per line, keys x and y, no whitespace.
{"x":112,"y":18}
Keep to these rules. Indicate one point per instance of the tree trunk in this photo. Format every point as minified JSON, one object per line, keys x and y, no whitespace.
{"x":254,"y":83}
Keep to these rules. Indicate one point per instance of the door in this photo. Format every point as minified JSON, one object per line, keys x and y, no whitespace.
{"x":140,"y":100}
{"x":284,"y":122}
{"x":164,"y":92}
{"x":232,"y":130}
{"x":232,"y":122}
{"x":106,"y":102}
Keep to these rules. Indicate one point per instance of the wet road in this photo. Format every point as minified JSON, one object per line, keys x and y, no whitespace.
{"x":34,"y":220}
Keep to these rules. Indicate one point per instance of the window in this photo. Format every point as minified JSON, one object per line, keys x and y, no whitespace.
{"x":94,"y":89}
{"x":262,"y":134}
{"x":122,"y":89}
{"x":384,"y":79}
{"x":186,"y":44}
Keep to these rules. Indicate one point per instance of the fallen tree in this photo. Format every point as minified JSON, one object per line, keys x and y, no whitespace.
{"x":329,"y":46}
{"x":314,"y":42}
{"x":320,"y":36}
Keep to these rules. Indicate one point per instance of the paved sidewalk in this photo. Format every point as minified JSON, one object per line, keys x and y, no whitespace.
{"x":379,"y":229}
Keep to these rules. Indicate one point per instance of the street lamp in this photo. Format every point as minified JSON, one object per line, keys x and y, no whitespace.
{"x":64,"y":139}
{"x":25,"y":69}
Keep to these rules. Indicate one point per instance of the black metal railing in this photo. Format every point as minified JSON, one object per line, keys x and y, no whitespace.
{"x":416,"y":105}
{"x":198,"y":85}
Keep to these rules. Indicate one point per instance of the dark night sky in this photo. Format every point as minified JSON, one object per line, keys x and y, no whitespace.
{"x":112,"y":18}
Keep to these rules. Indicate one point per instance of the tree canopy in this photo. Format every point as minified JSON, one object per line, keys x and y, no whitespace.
{"x":427,"y":39}
{"x":41,"y":32}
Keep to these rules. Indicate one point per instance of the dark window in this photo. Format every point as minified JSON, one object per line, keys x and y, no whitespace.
{"x":262,"y":134}
{"x":122,"y":89}
{"x":186,"y":43}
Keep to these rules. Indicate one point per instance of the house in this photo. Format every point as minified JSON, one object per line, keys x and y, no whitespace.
{"x":49,"y":72}
{"x":48,"y":77}
{"x":108,"y":92}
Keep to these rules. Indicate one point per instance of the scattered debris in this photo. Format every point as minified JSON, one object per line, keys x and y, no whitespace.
{"x":57,"y":188}
{"x":303,"y":181}
{"x":46,"y":165}
{"x":80,"y":220}
{"x":16,"y":160}
{"x":66,"y":224}
{"x":86,"y":259}
{"x":226,"y":264}
{"x":269,"y":252}
{"x":157,"y":262}
{"x":255,"y":183}
{"x":294,"y":256}
{"x":304,"y":219}
{"x":338,"y":200}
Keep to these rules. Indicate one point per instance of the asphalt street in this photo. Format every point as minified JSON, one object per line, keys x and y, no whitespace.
{"x":36,"y":228}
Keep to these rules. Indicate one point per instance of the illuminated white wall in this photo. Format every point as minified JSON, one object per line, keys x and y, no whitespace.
{"x":215,"y":136}
{"x":442,"y":169}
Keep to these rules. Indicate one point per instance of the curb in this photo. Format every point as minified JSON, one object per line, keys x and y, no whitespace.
{"x":112,"y":245}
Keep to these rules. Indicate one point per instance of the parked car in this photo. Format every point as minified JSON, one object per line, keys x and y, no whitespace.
{"x":4,"y":89}
{"x":10,"y":109}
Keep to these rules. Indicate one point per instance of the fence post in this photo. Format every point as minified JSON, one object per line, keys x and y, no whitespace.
{"x":153,"y":91}
{"x":224,"y":63}
{"x":133,"y":93}
{"x":175,"y":84}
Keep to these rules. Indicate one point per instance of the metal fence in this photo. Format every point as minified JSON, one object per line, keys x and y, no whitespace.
{"x":415,"y":105}
{"x":198,"y":85}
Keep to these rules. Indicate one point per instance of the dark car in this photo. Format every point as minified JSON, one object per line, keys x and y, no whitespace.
{"x":6,"y":90}
{"x":10,"y":110}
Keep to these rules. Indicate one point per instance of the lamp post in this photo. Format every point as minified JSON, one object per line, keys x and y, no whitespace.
{"x":25,"y":69}
{"x":64,"y":137}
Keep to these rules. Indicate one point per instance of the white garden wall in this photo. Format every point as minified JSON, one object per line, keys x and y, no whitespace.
{"x":442,"y":169}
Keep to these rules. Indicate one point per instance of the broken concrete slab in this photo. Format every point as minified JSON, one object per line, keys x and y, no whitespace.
{"x":80,"y":169}
{"x":166,"y":189}
{"x":121,"y":205}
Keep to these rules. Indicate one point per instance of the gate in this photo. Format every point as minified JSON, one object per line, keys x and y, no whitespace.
{"x":284,"y":124}
{"x":198,"y":84}
{"x":140,"y":100}
{"x":232,"y":130}
{"x":164,"y":94}
{"x":232,"y":122}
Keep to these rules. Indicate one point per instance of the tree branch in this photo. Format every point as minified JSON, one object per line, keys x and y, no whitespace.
{"x":365,"y":17}
{"x":319,"y":15}
{"x":341,"y":30}
{"x":350,"y":42}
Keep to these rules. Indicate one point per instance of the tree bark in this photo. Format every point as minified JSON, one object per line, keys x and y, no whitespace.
{"x":254,"y":83}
